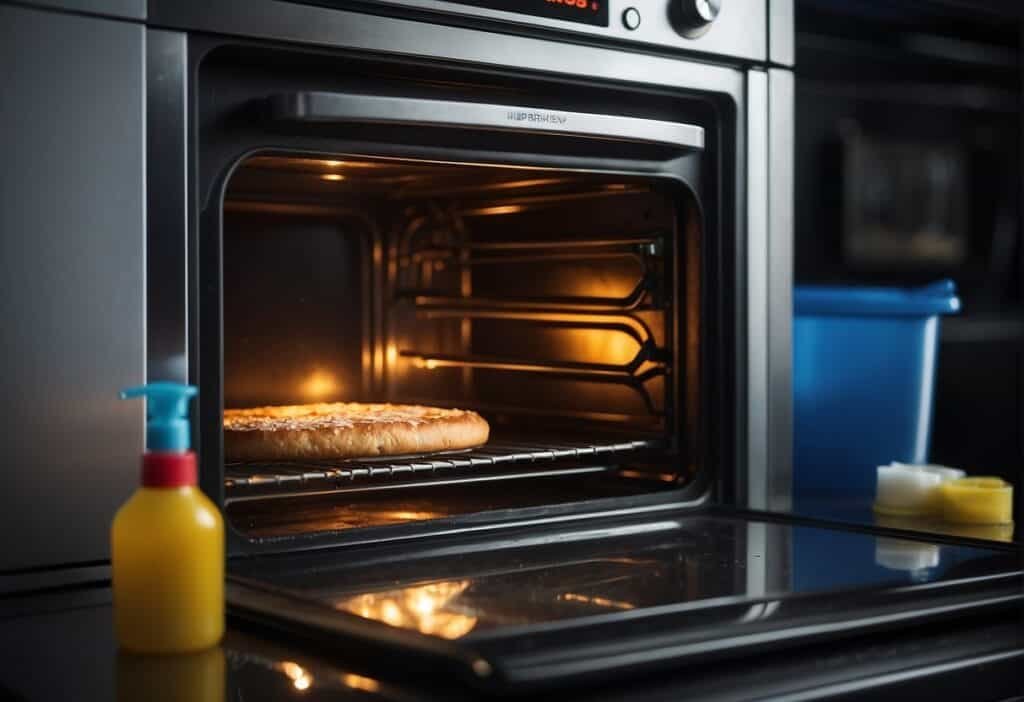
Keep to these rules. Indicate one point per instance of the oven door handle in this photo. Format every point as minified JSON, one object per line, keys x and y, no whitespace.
{"x":321,"y":107}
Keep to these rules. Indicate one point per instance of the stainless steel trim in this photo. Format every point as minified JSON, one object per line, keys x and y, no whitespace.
{"x":781,"y":144}
{"x":780,"y":32}
{"x":116,"y":9}
{"x":756,"y":493}
{"x":72,"y":293}
{"x":739,"y":30}
{"x":346,"y":107}
{"x":311,"y":25}
{"x":757,"y":559}
{"x":167,"y":207}
{"x":398,"y":39}
{"x":269,"y":546}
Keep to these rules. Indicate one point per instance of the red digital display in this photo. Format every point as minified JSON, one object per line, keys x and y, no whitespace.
{"x":586,"y":11}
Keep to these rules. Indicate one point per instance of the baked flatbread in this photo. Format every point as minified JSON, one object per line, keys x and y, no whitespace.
{"x":347,"y":430}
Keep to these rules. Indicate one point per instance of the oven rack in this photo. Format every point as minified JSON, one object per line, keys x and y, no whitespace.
{"x":333,"y":474}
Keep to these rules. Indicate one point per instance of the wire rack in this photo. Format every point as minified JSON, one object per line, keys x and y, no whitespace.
{"x":338,"y":474}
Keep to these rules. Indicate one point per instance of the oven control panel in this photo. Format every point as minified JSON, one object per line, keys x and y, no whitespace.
{"x":586,"y":11}
{"x":734,"y":28}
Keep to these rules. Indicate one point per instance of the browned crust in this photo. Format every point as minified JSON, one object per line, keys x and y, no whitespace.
{"x":347,"y":430}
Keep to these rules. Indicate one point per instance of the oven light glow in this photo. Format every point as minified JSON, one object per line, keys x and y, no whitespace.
{"x":359,"y":682}
{"x":334,"y":177}
{"x":333,"y":164}
{"x":596,"y":600}
{"x":640,"y":475}
{"x":497,"y":210}
{"x":319,"y":385}
{"x":598,"y":345}
{"x":410,"y":516}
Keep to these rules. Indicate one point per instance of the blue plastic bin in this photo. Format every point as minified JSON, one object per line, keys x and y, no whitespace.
{"x":863,"y":375}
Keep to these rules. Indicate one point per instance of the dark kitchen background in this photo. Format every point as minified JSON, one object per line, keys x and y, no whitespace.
{"x":908,"y":170}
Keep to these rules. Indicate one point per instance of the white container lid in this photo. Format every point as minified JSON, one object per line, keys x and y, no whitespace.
{"x":902,"y":554}
{"x":911,"y":489}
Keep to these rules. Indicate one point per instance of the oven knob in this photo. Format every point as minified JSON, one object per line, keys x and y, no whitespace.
{"x":631,"y":18}
{"x":694,"y":17}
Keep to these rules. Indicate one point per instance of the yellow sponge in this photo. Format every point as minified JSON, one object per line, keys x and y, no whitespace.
{"x":977,"y":501}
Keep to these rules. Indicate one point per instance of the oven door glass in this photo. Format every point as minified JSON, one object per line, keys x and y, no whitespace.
{"x":536,"y":605}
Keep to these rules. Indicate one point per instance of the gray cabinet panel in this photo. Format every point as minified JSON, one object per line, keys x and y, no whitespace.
{"x":129,"y":9}
{"x":72,"y":250}
{"x":780,"y":32}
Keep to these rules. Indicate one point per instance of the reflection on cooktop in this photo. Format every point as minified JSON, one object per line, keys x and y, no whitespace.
{"x":453,"y":608}
{"x":854,"y":511}
{"x":489,"y":585}
{"x":429,"y":609}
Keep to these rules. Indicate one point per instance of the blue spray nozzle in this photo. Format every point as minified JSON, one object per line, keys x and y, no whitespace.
{"x":166,"y":414}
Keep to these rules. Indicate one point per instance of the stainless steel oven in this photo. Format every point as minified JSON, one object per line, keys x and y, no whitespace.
{"x":587,"y":241}
{"x":580,"y":230}
{"x":557,"y":268}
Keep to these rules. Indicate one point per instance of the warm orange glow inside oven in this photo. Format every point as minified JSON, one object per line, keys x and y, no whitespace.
{"x":496,"y":210}
{"x":602,"y":602}
{"x":603,"y":346}
{"x":409,"y":516}
{"x":359,"y":682}
{"x":607,"y":348}
{"x":581,"y":275}
{"x":320,"y":385}
{"x":589,"y":286}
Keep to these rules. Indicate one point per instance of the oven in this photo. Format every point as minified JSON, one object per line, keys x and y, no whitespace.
{"x":550,"y":275}
{"x":572,"y":238}
{"x":572,"y":218}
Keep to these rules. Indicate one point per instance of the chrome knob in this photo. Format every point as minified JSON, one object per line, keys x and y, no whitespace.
{"x":694,"y":17}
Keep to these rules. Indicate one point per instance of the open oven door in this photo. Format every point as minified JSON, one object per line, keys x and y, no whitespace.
{"x":544,"y":604}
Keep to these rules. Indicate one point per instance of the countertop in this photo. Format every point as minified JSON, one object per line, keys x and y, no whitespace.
{"x":860,"y":512}
{"x":60,"y":645}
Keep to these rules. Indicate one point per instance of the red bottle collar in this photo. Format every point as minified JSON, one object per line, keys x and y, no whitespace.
{"x":168,"y":470}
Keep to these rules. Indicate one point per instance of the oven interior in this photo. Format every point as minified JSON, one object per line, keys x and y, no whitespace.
{"x":562,"y":306}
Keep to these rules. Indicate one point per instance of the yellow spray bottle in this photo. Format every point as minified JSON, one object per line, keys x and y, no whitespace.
{"x":167,"y":540}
